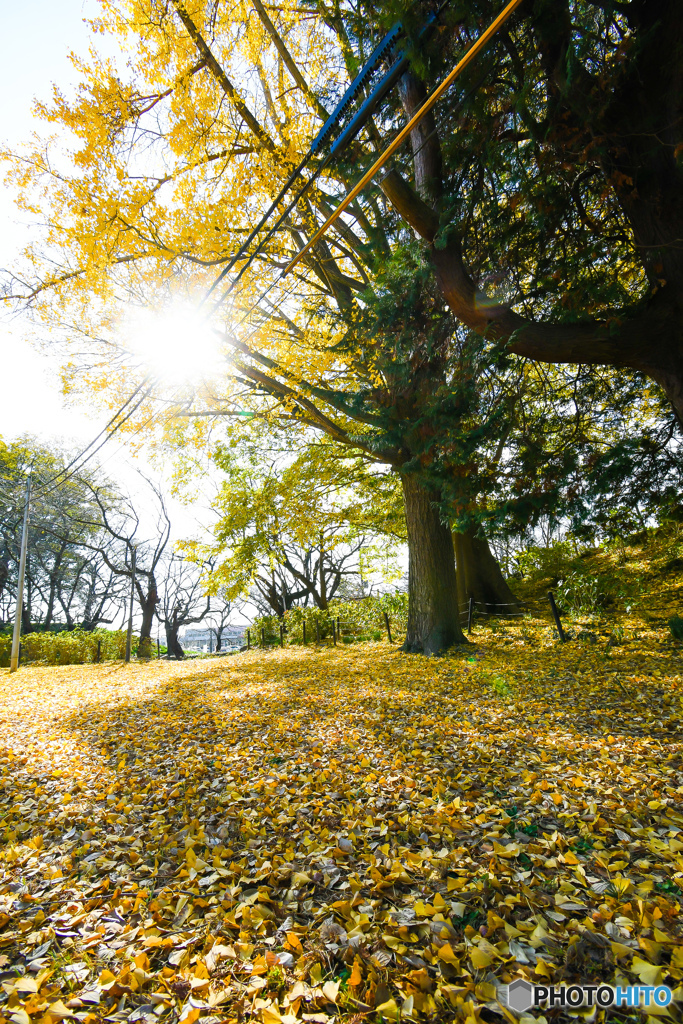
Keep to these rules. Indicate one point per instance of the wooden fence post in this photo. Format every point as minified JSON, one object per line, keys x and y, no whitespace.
{"x":248,"y":639}
{"x":339,"y":628}
{"x":334,"y":634}
{"x":99,"y":651}
{"x":317,"y":631}
{"x":387,"y":624}
{"x":470,"y":614}
{"x":556,"y":616}
{"x":304,"y":633}
{"x":263,"y":636}
{"x":158,"y":649}
{"x":282,"y":635}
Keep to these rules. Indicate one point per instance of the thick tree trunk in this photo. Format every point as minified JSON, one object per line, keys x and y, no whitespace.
{"x":148,"y":606}
{"x":173,"y":643}
{"x":433,"y":620}
{"x":479,"y":575}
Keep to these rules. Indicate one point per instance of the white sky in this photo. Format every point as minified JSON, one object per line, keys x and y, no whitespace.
{"x":35,"y":40}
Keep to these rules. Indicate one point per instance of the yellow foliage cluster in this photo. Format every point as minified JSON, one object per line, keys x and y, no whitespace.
{"x":156,"y":169}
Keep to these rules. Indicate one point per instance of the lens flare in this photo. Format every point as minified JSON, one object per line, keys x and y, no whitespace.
{"x":176,"y":344}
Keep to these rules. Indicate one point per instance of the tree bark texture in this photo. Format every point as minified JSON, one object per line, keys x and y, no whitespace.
{"x":433,"y":620}
{"x":479,"y":575}
{"x":651,"y":342}
{"x":148,"y":604}
{"x":173,"y":643}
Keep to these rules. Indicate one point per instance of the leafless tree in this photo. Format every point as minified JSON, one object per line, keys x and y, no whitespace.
{"x":182,"y":600}
{"x":67,"y":581}
{"x":297,"y":573}
{"x":219,"y":617}
{"x":122,"y":526}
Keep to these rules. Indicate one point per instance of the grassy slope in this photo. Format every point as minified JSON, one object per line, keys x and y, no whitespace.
{"x":640,"y":584}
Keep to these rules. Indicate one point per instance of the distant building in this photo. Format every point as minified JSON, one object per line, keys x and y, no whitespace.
{"x":205,"y":639}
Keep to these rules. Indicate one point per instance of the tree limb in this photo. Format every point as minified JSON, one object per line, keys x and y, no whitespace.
{"x":288,"y":60}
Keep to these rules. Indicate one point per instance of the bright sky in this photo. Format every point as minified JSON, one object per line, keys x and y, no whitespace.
{"x":36,"y":38}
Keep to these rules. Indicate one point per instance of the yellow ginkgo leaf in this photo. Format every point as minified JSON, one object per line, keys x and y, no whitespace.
{"x":648,"y":973}
{"x":479,"y":958}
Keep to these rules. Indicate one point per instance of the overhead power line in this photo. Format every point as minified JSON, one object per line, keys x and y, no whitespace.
{"x":323,"y":136}
{"x":473,"y":52}
{"x":78,"y":462}
{"x":429,"y":103}
{"x":348,"y":134}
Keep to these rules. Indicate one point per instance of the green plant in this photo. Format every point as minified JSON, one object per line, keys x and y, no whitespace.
{"x":528,"y":830}
{"x":579,"y":594}
{"x":669,"y":887}
{"x":275,"y":978}
{"x":498,"y":684}
{"x":629,"y":592}
{"x":359,"y":621}
{"x":69,"y":647}
{"x":537,"y":563}
{"x":616,"y":636}
{"x":676,"y":627}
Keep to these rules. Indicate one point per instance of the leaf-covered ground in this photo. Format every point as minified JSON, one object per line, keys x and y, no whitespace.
{"x":347,"y":834}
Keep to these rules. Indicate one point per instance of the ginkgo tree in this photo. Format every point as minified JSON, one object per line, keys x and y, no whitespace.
{"x":177,"y":157}
{"x":171,"y":170}
{"x":295,"y":522}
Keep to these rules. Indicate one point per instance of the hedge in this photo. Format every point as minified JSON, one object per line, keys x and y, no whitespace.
{"x":70,"y":647}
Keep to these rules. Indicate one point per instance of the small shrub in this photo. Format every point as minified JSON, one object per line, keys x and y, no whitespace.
{"x":676,"y":627}
{"x":554,"y":562}
{"x":616,"y":636}
{"x":68,"y":647}
{"x":628,"y":592}
{"x":497,"y":683}
{"x":579,"y":594}
{"x":275,"y":979}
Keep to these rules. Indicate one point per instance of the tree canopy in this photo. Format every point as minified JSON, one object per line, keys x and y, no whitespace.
{"x":536,"y":213}
{"x":69,"y":581}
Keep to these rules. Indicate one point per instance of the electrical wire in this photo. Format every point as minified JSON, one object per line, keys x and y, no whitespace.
{"x":105,"y":432}
{"x":461,"y":103}
{"x":45,"y":489}
{"x":347,"y":135}
{"x":358,"y":83}
{"x":405,"y":132}
{"x":76,"y":465}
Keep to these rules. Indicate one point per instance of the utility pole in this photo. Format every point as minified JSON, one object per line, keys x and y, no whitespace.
{"x":16,"y":636}
{"x":129,"y":634}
